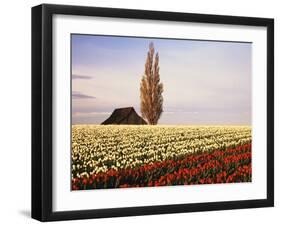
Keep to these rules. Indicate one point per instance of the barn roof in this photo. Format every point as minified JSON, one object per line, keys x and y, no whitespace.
{"x":121,"y":114}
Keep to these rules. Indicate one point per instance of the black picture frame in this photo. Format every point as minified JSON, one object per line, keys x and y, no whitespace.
{"x":42,"y":111}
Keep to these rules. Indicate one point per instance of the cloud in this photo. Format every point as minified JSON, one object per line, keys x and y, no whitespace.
{"x":181,"y":112}
{"x":78,"y":95}
{"x":89,"y":114}
{"x":75,"y":76}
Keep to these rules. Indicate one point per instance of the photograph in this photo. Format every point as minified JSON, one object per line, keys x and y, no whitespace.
{"x":152,"y":111}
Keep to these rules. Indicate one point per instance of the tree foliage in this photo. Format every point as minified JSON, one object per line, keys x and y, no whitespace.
{"x":151,"y":89}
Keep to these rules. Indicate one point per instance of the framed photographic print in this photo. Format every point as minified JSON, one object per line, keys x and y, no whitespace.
{"x":145,"y":112}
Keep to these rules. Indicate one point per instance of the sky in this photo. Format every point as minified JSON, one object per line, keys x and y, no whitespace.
{"x":205,"y":82}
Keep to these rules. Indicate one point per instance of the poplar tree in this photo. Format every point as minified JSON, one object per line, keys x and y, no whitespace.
{"x":151,"y":99}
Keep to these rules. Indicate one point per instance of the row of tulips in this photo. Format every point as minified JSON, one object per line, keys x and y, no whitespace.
{"x":99,"y":148}
{"x":219,"y":166}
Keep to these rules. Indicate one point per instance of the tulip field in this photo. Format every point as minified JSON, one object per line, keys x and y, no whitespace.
{"x":120,"y":156}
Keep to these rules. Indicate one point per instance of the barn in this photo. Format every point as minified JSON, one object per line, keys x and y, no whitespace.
{"x":124,"y":116}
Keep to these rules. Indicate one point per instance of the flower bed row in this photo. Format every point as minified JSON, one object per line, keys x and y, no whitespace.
{"x":99,"y":148}
{"x":219,"y":166}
